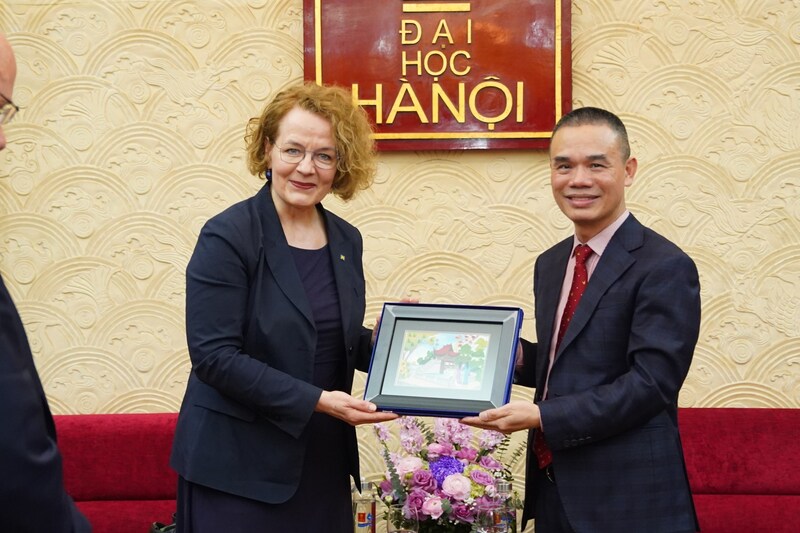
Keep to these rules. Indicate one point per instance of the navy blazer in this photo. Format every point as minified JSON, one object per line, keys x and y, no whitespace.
{"x":610,"y":417}
{"x":252,"y":342}
{"x":32,"y":495}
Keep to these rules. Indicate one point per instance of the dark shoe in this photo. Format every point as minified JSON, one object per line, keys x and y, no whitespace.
{"x":158,"y":527}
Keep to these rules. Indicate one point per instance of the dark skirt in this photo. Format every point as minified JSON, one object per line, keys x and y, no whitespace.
{"x":322,"y":502}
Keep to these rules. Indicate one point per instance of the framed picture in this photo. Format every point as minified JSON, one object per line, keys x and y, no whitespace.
{"x":443,"y":360}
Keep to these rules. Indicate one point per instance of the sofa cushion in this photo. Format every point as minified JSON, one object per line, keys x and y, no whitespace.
{"x":741,"y":450}
{"x":747,"y":513}
{"x":118,"y":457}
{"x":126,"y":516}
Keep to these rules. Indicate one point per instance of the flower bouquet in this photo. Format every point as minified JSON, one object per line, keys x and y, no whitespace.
{"x":444,"y":478}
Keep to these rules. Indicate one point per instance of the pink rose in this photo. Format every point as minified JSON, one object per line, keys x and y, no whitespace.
{"x":423,"y":479}
{"x":406,"y":465}
{"x":437,"y":450}
{"x":482,"y":477}
{"x":462,"y":513}
{"x":484,"y":503}
{"x":457,"y":486}
{"x":469,"y":453}
{"x":433,"y":507}
{"x":490,"y":463}
{"x":416,"y":499}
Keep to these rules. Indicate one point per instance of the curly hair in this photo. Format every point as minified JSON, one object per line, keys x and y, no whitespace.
{"x":356,"y":160}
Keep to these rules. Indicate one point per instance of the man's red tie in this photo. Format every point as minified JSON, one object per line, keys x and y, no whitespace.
{"x":579,"y":279}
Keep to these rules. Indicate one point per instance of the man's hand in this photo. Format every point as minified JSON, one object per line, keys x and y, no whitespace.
{"x":355,"y":412}
{"x":514,"y":416}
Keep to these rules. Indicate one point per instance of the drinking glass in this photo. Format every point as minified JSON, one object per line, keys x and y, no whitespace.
{"x":399,"y":522}
{"x":489,"y":521}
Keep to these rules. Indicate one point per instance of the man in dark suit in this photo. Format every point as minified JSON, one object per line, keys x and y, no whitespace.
{"x":32,"y":495}
{"x":612,"y":354}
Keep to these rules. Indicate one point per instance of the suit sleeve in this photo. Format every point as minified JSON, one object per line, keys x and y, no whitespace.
{"x":218,"y":293}
{"x":32,"y":493}
{"x":660,"y":339}
{"x":525,"y":374}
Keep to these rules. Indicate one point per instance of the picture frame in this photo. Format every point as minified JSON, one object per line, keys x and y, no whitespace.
{"x":443,"y":360}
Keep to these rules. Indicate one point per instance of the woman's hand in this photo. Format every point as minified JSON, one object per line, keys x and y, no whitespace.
{"x":355,"y":412}
{"x":378,"y":319}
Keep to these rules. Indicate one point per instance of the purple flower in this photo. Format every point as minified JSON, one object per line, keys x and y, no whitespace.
{"x":451,"y":430}
{"x":462,"y":513}
{"x":436,"y":450}
{"x":490,"y":463}
{"x":443,"y":429}
{"x":485,"y":503}
{"x":382,"y":432}
{"x":386,"y":488}
{"x":446,"y":475}
{"x":415,"y":500}
{"x":468,"y":453}
{"x":482,"y":477}
{"x":462,"y":435}
{"x":423,"y":480}
{"x":410,"y":435}
{"x":489,"y":440}
{"x":443,"y":467}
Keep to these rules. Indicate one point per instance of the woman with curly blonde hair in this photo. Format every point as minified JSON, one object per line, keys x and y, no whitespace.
{"x":275,"y":304}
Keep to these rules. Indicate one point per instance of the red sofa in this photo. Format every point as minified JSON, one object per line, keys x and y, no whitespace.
{"x":742,"y":464}
{"x":744,"y":468}
{"x":116,"y":468}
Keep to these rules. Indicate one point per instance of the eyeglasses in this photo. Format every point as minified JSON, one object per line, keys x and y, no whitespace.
{"x":7,"y":110}
{"x":325,"y":160}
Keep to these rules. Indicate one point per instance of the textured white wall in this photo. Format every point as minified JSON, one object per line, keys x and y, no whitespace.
{"x":131,"y":133}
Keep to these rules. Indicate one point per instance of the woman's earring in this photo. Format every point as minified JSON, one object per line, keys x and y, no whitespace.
{"x":269,"y":174}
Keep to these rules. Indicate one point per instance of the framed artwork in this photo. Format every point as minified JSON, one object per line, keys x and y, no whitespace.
{"x":443,"y":360}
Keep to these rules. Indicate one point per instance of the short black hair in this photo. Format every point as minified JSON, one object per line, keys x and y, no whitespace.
{"x":594,"y":115}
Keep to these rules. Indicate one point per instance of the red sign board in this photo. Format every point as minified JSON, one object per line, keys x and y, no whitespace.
{"x":446,"y":75}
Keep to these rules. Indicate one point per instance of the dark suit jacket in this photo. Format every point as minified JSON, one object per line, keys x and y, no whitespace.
{"x":252,"y":341}
{"x":610,"y":416}
{"x":32,"y":495}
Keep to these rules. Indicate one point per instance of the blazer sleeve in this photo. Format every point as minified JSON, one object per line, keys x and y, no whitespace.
{"x":218,"y":303}
{"x":655,"y":335}
{"x":32,"y":493}
{"x":364,"y":350}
